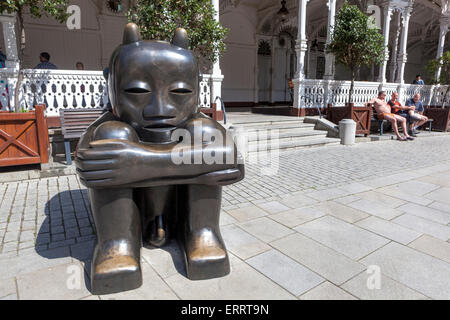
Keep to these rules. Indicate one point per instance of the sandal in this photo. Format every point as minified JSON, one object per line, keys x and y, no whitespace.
{"x":409,"y":138}
{"x":402,"y":139}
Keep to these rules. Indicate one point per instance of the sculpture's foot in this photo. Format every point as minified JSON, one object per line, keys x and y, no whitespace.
{"x":115,"y":268}
{"x":206,"y":256}
{"x":158,"y":234}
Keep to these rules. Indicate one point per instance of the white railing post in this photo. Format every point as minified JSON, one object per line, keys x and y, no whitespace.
{"x":216,"y":77}
{"x":444,"y":26}
{"x":329,"y":57}
{"x":387,"y":20}
{"x":402,"y":57}
{"x":300,"y":47}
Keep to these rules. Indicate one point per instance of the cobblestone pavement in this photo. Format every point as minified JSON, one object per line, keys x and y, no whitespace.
{"x":324,"y":226}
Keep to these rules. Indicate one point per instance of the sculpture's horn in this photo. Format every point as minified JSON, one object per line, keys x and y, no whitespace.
{"x":131,"y":34}
{"x":180,"y":38}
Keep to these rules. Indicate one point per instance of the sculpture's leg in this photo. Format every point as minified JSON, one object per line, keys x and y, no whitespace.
{"x":158,"y":208}
{"x":205,"y":253}
{"x":116,"y":261}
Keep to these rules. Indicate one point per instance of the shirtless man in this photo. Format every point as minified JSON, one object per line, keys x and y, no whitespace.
{"x":384,"y":112}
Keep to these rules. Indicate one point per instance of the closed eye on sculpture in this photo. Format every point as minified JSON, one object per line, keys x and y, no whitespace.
{"x":181,"y":91}
{"x":137,"y":90}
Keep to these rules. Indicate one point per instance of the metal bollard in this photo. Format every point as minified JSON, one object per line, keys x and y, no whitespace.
{"x":347,"y":131}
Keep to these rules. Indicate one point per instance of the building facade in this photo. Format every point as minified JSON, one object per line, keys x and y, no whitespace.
{"x":266,"y":45}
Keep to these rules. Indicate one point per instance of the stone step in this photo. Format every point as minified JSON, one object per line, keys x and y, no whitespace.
{"x":288,"y":135}
{"x":292,"y":144}
{"x":279,"y":125}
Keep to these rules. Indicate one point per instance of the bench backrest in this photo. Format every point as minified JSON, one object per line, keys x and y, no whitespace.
{"x":75,"y":121}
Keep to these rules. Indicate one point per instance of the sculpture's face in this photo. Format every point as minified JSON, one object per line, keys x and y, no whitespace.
{"x":153,"y":84}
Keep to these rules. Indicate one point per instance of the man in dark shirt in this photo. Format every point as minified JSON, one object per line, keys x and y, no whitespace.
{"x":418,"y":80}
{"x":397,"y":108}
{"x":416,"y":114}
{"x":45,"y":62}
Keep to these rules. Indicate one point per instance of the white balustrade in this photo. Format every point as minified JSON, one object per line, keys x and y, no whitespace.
{"x":68,"y":89}
{"x":205,"y":91}
{"x":319,"y":93}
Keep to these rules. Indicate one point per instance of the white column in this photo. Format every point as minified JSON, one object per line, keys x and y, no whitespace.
{"x":402,"y":56}
{"x":387,"y":10}
{"x":329,"y":58}
{"x":216,"y":77}
{"x":393,"y":63}
{"x":301,"y":45}
{"x":444,"y":23}
{"x":9,"y":35}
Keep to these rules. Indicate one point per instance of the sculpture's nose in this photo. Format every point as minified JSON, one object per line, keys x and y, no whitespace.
{"x":155,"y":111}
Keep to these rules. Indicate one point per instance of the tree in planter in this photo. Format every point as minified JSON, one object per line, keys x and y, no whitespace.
{"x":354,"y":43}
{"x":37,"y":8}
{"x":158,"y":19}
{"x":444,"y":78}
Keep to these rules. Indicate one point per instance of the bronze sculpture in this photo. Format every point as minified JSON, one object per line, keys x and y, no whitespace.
{"x":126,"y":159}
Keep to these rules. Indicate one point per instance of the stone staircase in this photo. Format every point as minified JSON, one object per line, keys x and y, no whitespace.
{"x":265,"y":132}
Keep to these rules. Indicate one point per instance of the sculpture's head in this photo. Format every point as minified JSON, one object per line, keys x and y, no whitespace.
{"x":153,"y":84}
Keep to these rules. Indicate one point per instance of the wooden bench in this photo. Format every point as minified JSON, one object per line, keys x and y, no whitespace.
{"x":73,"y":124}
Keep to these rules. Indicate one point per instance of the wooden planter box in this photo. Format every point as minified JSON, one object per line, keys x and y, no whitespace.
{"x":361,"y":115}
{"x":23,"y":137}
{"x":441,"y":117}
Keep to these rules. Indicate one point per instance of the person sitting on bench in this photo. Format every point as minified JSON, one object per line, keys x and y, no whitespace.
{"x":416,"y":113}
{"x":384,"y":113}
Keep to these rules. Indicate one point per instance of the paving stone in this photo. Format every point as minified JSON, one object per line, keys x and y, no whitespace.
{"x":82,"y":251}
{"x":286,"y":272}
{"x":243,"y":283}
{"x":327,"y":291}
{"x":54,"y":283}
{"x":341,"y":211}
{"x":226,"y":219}
{"x":328,"y":194}
{"x":297,"y":200}
{"x":247,"y":213}
{"x":375,"y":208}
{"x":241,"y":243}
{"x":424,"y":226}
{"x":440,"y":206}
{"x":418,"y":271}
{"x":441,"y":195}
{"x":273,"y":207}
{"x":317,"y":257}
{"x":416,"y":187}
{"x":63,"y":243}
{"x":295,"y":217}
{"x":7,"y":287}
{"x":342,"y":237}
{"x":437,"y":179}
{"x":10,"y":297}
{"x":406,"y":196}
{"x":425,"y":212}
{"x":153,"y":288}
{"x":86,"y":231}
{"x":355,"y":187}
{"x":433,"y":247}
{"x":347,"y":199}
{"x":166,"y":261}
{"x":361,"y":287}
{"x":382,"y":198}
{"x":389,"y":230}
{"x":265,"y":229}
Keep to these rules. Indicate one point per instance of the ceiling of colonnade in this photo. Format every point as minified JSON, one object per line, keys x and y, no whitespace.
{"x":423,"y":27}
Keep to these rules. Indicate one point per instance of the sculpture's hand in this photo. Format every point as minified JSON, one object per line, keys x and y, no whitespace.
{"x":111,"y":162}
{"x":222,"y":177}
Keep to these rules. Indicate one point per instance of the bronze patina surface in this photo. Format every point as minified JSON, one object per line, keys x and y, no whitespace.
{"x":125,"y":158}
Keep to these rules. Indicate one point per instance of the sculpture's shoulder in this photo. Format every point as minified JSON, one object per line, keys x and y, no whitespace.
{"x":205,"y":123}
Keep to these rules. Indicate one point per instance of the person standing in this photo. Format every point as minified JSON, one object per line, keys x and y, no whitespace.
{"x":418,"y":80}
{"x":45,"y":62}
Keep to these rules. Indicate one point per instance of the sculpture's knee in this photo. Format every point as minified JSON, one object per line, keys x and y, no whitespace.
{"x":115,"y":130}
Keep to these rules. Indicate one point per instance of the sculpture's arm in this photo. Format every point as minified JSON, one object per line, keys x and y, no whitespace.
{"x":114,"y":163}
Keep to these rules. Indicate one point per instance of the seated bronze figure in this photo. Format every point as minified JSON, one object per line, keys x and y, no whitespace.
{"x":129,"y":160}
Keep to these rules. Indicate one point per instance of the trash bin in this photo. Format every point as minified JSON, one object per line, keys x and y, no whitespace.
{"x":347,"y":131}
